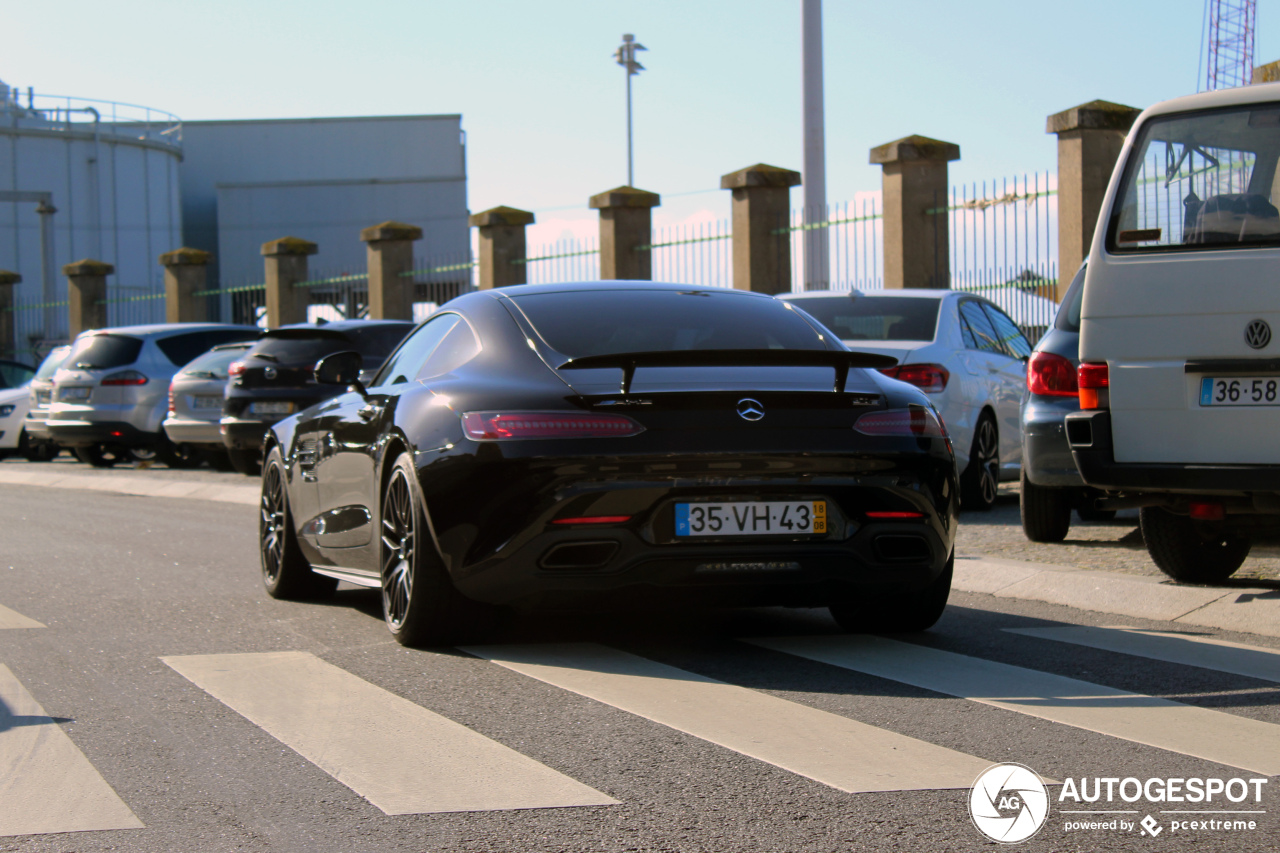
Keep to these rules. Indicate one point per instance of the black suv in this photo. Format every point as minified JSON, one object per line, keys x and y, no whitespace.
{"x":276,"y":377}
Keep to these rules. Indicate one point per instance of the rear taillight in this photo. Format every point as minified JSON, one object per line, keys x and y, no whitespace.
{"x":1052,"y":375}
{"x":1092,"y":378}
{"x":505,"y":426}
{"x":125,"y":377}
{"x":916,"y":421}
{"x":235,"y":368}
{"x":172,"y":407}
{"x":926,"y":377}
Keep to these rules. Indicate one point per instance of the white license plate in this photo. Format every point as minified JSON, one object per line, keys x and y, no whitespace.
{"x":1240,"y":391}
{"x":206,"y":402}
{"x":751,"y":518}
{"x":74,"y":393}
{"x":270,"y":408}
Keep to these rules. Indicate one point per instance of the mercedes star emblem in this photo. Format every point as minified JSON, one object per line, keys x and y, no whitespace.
{"x":750,"y":410}
{"x":1257,"y":334}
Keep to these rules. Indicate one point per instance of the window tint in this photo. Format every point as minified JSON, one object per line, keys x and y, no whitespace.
{"x":1068,"y":319}
{"x":875,"y":318}
{"x":407,"y":362}
{"x":14,"y":374}
{"x":180,"y":349}
{"x":299,"y":350}
{"x":99,"y":352}
{"x":52,"y":362}
{"x":214,"y":364}
{"x":605,"y":321}
{"x":1011,"y":338}
{"x":457,"y":348}
{"x":376,"y":342}
{"x":983,"y":335}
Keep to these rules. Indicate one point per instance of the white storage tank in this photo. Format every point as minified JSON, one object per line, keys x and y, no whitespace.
{"x":110,"y":171}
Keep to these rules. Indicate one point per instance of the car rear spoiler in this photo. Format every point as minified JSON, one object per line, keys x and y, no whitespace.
{"x":629,"y":361}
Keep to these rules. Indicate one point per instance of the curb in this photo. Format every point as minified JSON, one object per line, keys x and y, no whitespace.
{"x":147,"y":487}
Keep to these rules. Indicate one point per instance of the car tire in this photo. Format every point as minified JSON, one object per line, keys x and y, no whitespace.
{"x":37,"y":451}
{"x":1046,"y":511}
{"x":980,"y":482}
{"x":98,"y":456}
{"x":914,"y":611}
{"x":245,"y":461}
{"x":1191,"y":551}
{"x":219,"y":460}
{"x":285,"y":571}
{"x":420,"y":604}
{"x":179,"y":456}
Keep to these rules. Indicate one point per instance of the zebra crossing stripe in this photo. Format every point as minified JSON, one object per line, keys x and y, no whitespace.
{"x":397,"y":755}
{"x":1186,"y":649}
{"x":13,"y":619}
{"x":828,"y":748}
{"x":46,"y":783}
{"x":1200,"y":732}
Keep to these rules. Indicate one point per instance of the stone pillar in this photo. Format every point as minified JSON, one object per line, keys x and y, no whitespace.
{"x":1090,"y":137}
{"x":761,"y":209}
{"x":917,"y":234}
{"x":86,"y":294}
{"x":625,"y":223}
{"x":390,"y":253}
{"x":285,"y":265}
{"x":8,"y":328}
{"x":1269,"y":73}
{"x":501,"y":245}
{"x":185,"y":274}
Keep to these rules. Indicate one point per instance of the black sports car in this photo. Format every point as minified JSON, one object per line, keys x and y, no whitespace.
{"x":614,"y":443}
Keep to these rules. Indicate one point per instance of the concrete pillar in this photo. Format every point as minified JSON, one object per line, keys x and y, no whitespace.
{"x":1090,"y":137}
{"x":390,"y":253}
{"x":285,"y":262}
{"x":917,"y":234}
{"x":501,"y":245}
{"x":761,"y":209}
{"x":8,"y":328}
{"x":1269,"y":73}
{"x":625,"y":222}
{"x":86,"y":294}
{"x":185,"y":274}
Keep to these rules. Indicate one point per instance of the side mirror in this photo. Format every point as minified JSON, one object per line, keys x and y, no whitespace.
{"x":341,"y":368}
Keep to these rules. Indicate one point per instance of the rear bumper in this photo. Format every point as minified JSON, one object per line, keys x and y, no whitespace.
{"x":186,"y":431}
{"x":243,"y":434}
{"x":75,"y":433}
{"x":1089,"y":434}
{"x":1046,"y":454}
{"x":37,"y":425}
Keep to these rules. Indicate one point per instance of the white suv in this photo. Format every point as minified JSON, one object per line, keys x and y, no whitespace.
{"x":1180,"y":370}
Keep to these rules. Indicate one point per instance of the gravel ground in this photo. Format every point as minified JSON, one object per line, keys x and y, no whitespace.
{"x":1110,"y":546}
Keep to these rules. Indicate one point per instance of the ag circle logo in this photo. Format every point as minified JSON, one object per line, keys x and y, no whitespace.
{"x":1009,"y":803}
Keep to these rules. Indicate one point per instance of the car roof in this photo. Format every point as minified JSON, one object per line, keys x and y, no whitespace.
{"x":1253,"y":94}
{"x":157,"y":329}
{"x":615,"y":284}
{"x":910,"y":292}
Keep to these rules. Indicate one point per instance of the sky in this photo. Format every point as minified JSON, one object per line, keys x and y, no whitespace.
{"x":543,"y":104}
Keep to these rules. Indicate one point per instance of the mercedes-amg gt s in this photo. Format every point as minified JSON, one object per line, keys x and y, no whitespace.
{"x":608,"y":444}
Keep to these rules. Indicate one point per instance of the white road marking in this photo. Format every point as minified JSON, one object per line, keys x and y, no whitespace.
{"x":13,"y":619}
{"x":1188,"y":649}
{"x":46,"y":783}
{"x":825,"y":747}
{"x":1212,"y":735}
{"x":398,"y":755}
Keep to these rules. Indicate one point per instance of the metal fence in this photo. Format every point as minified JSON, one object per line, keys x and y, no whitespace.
{"x":563,"y":260}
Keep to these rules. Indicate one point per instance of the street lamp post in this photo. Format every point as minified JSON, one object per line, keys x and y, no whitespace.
{"x":625,"y":56}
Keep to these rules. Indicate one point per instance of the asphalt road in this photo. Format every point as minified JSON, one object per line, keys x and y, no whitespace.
{"x":687,"y":741}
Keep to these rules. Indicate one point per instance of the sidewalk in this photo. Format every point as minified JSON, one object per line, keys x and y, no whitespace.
{"x":142,"y":485}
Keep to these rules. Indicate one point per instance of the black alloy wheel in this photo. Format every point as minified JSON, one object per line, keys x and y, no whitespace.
{"x":1191,"y":551}
{"x":285,"y":571}
{"x":980,"y":482}
{"x":99,"y":455}
{"x":912,"y":611}
{"x":1046,"y":511}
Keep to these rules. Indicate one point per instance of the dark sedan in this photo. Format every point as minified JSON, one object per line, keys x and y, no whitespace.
{"x":614,"y":444}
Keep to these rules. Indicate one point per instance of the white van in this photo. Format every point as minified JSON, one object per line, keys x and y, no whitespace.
{"x":1180,"y":358}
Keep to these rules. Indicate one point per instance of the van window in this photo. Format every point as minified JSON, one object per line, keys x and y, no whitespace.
{"x":1068,"y":316}
{"x":1201,"y":180}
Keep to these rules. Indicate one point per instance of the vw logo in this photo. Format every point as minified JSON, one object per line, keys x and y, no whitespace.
{"x":750,"y":410}
{"x":270,"y":373}
{"x":1257,"y":334}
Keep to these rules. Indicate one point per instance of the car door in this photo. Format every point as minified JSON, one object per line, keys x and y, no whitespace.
{"x":987,"y":360}
{"x":1011,"y":381}
{"x":348,"y":433}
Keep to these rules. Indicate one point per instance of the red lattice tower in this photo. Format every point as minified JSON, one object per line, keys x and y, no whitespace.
{"x":1231,"y":31}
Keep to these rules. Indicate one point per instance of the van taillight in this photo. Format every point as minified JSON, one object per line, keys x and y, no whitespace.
{"x":1092,"y":378}
{"x":926,"y":377}
{"x":1051,"y":375}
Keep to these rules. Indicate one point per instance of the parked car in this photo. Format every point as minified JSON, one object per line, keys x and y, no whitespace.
{"x":961,"y":350}
{"x":111,"y":394}
{"x":15,"y":397}
{"x":196,"y":398}
{"x":42,"y":448}
{"x":276,"y":377}
{"x":1179,"y":371}
{"x":599,"y":444}
{"x":1051,"y":485}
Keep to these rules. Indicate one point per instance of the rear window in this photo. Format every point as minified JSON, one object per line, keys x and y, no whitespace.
{"x":375,"y":343}
{"x":14,"y":374}
{"x":181,"y":349}
{"x":289,"y":350}
{"x":100,"y":352}
{"x":875,"y":318}
{"x":606,"y":321}
{"x":214,"y":364}
{"x":52,"y":362}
